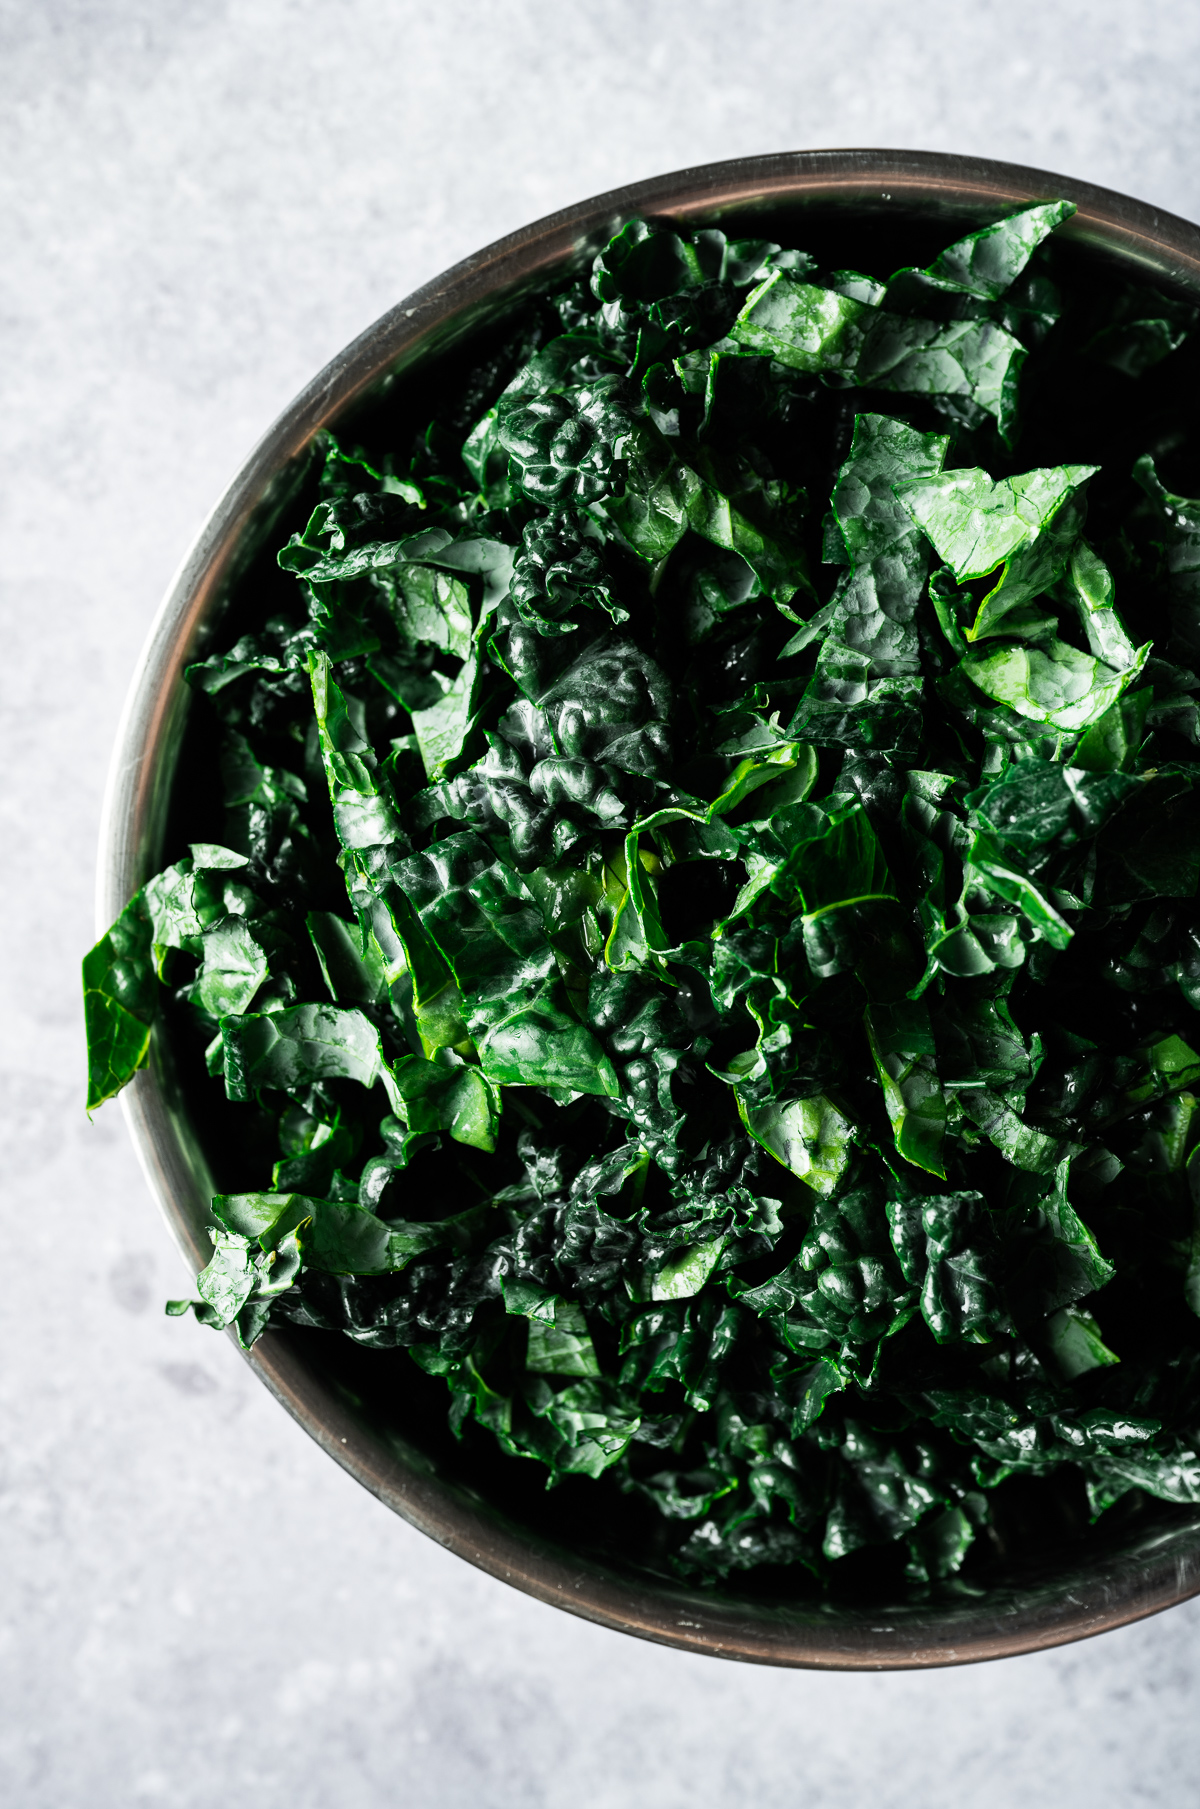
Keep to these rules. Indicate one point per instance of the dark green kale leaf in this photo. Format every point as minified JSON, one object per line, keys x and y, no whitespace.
{"x":592,"y":445}
{"x":486,"y":926}
{"x":1145,"y":327}
{"x":198,"y":908}
{"x":866,"y":688}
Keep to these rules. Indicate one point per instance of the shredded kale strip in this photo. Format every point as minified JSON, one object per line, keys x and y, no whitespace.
{"x":707,"y":919}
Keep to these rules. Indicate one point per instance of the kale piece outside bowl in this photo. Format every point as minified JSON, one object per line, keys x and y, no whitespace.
{"x":1052,"y":1579}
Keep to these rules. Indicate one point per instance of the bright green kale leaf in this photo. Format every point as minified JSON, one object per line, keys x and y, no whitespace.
{"x":802,"y":326}
{"x":429,"y":606}
{"x":1023,"y":527}
{"x":292,"y":1048}
{"x":1053,"y":684}
{"x":372,"y":841}
{"x":969,"y":366}
{"x":808,"y":1136}
{"x":985,"y":263}
{"x":1093,"y":591}
{"x":443,"y":728}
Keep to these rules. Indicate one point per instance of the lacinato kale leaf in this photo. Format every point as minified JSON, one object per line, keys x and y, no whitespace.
{"x":704,"y":937}
{"x":985,"y":264}
{"x":866,"y":688}
{"x":196,"y":908}
{"x":968,"y":367}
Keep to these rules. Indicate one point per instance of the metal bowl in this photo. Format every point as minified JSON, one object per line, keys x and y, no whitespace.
{"x":1114,"y":1578}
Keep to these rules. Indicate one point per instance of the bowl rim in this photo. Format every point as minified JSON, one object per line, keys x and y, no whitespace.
{"x":1081,"y":1600}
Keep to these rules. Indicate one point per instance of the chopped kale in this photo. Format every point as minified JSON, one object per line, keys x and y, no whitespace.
{"x":706,"y":923}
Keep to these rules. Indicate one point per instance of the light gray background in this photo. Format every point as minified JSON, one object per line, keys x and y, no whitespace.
{"x":199,"y":204}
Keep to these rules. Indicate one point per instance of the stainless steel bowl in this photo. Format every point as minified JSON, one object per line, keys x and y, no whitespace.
{"x":1107,"y":1584}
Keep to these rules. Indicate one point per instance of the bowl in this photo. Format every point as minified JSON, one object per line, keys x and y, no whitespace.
{"x":549,"y":1545}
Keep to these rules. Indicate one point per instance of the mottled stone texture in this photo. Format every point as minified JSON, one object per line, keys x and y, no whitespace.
{"x":199,"y":203}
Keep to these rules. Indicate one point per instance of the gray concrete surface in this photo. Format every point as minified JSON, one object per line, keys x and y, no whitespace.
{"x":199,"y":203}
